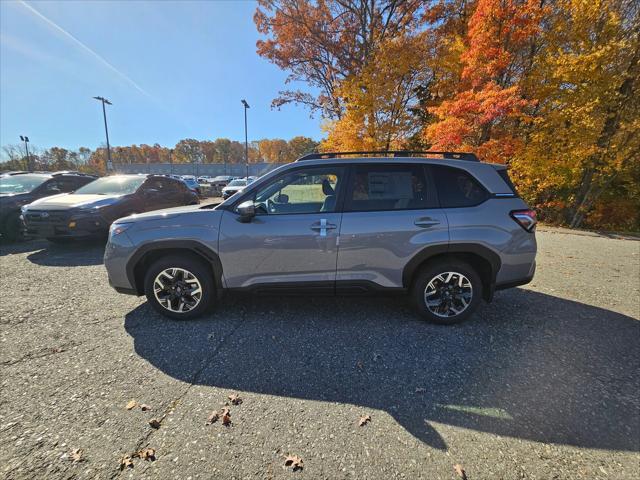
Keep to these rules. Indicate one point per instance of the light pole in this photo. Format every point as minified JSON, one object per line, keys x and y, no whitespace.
{"x":25,"y":139}
{"x":246,"y":141}
{"x":106,"y":130}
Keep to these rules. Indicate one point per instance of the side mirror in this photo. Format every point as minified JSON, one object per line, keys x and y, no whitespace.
{"x":246,"y":210}
{"x":282,"y":198}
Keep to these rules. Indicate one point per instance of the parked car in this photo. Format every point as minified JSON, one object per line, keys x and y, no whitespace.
{"x":448,"y":231}
{"x":233,"y":187}
{"x":192,"y":184}
{"x":221,"y":180}
{"x":20,"y":188}
{"x":90,"y":210}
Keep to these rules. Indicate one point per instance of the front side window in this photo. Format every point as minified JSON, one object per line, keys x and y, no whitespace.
{"x":313,"y":190}
{"x":389,"y":187}
{"x":456,"y":188}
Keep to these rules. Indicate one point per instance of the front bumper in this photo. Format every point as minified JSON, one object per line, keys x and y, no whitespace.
{"x":117,"y":253}
{"x":41,"y":224}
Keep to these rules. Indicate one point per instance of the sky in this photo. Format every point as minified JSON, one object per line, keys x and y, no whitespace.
{"x":172,"y":70}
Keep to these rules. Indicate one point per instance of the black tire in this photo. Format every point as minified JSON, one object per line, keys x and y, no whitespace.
{"x":430,"y":272}
{"x":12,"y":229}
{"x":193,"y":266}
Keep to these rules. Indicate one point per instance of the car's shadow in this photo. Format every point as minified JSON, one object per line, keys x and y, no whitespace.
{"x":529,"y":366}
{"x":77,"y":253}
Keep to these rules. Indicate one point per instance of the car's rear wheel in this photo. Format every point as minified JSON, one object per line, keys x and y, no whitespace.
{"x":447,"y":292}
{"x":12,"y":229}
{"x":179,"y":287}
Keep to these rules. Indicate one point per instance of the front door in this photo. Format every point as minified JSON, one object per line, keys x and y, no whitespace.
{"x":292,"y":238}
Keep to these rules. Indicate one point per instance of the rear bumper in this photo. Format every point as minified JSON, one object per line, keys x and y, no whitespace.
{"x":519,"y":281}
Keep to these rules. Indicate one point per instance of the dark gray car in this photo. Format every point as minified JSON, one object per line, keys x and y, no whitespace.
{"x":90,"y":210}
{"x":446,"y":229}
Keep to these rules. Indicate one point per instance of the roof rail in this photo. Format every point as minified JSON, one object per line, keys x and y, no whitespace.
{"x":470,"y":157}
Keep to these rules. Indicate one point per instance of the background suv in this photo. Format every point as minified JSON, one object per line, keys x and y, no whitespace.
{"x":20,"y":188}
{"x":447,"y":229}
{"x":90,"y":210}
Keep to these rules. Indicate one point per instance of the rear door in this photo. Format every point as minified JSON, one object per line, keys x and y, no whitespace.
{"x":390,"y":214}
{"x":292,"y":240}
{"x":155,"y":194}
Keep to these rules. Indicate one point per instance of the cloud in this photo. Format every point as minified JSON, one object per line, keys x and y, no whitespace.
{"x":84,"y":47}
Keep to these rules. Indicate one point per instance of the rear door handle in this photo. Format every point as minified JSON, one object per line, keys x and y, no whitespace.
{"x":323,"y":226}
{"x":426,"y":222}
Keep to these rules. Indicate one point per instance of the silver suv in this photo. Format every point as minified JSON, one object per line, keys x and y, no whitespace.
{"x":440,"y":226}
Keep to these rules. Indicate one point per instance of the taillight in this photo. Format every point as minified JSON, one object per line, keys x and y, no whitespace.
{"x":525,"y":218}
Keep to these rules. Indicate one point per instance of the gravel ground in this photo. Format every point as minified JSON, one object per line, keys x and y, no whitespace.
{"x":543,"y":383}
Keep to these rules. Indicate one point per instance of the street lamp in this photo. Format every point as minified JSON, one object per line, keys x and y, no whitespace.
{"x":246,"y":141}
{"x":25,"y":139}
{"x":106,"y":130}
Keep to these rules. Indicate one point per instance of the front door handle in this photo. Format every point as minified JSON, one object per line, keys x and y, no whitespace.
{"x":323,"y":226}
{"x":426,"y":222}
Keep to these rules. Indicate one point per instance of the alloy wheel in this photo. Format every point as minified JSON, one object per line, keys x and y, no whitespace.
{"x":448,"y":294}
{"x":177,"y":290}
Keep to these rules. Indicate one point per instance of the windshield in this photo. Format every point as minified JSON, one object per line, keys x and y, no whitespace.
{"x":21,"y":183}
{"x":112,"y":186}
{"x":237,"y":183}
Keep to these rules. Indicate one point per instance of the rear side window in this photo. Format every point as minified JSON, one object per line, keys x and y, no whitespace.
{"x":457,"y":188}
{"x":389,"y":187}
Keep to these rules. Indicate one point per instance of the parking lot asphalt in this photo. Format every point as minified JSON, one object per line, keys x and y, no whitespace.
{"x":543,"y":383}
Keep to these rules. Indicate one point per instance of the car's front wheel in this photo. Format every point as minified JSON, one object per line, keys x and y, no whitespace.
{"x":179,"y":287}
{"x":447,"y":292}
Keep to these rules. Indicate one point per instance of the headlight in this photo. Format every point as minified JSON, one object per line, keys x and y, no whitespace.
{"x":118,"y":228}
{"x":87,"y":209}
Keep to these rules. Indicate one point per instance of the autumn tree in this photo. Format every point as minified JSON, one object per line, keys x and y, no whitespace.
{"x":323,"y":43}
{"x":583,"y":149}
{"x":379,"y":100}
{"x":273,"y":150}
{"x":483,"y":114}
{"x":299,"y":146}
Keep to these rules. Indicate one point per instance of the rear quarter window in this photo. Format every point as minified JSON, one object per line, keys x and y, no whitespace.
{"x":504,"y":174}
{"x":457,"y":188}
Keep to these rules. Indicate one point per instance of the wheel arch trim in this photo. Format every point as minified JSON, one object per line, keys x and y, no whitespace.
{"x":191,"y":246}
{"x":452,"y":248}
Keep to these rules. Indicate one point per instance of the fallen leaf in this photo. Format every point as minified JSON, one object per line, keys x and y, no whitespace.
{"x":460,"y":471}
{"x":359,"y":365}
{"x":145,"y":407}
{"x":213,"y":418}
{"x":420,"y":390}
{"x":235,"y":399}
{"x":364,"y":420}
{"x":148,"y":454}
{"x":226,"y":417}
{"x":131,"y":405}
{"x":294,"y":461}
{"x":76,"y":455}
{"x":154,"y":423}
{"x":126,"y":462}
{"x":57,"y":350}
